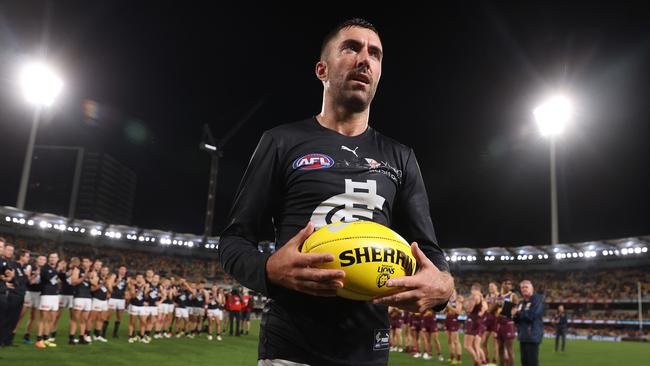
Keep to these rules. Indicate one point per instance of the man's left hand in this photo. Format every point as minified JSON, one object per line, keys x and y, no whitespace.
{"x":424,"y":290}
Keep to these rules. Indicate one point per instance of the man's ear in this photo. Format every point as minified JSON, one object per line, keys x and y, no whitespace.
{"x":321,"y":70}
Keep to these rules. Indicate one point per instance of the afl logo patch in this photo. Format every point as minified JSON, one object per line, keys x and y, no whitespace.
{"x":313,"y":161}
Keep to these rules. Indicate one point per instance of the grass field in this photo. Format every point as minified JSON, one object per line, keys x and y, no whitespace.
{"x":243,"y":351}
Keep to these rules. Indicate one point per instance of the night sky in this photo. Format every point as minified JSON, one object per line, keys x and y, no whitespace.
{"x":459,"y":84}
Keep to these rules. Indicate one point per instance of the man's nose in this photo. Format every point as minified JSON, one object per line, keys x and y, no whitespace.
{"x":363,"y":59}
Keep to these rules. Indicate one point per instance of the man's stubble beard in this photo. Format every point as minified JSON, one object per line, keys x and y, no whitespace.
{"x":352,"y":103}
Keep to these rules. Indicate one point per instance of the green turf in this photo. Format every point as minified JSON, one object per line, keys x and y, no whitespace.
{"x":243,"y":351}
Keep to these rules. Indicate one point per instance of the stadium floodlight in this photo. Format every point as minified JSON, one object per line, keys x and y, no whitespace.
{"x":30,"y":222}
{"x":624,"y":251}
{"x":637,"y":250}
{"x":552,"y":117}
{"x":40,"y":84}
{"x":644,"y":249}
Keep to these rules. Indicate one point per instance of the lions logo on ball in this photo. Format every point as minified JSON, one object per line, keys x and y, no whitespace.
{"x":382,"y":279}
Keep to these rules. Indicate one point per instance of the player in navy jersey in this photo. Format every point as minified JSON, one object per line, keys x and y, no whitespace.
{"x":329,"y":168}
{"x":181,"y":294}
{"x":33,"y":297}
{"x":154,"y":299}
{"x":506,"y":331}
{"x":200,"y":299}
{"x":49,"y":302}
{"x":66,"y":293}
{"x":452,"y":325}
{"x":138,"y":290}
{"x":216,"y":300}
{"x":100,"y":287}
{"x":82,"y":303}
{"x":167,"y":308}
{"x":117,"y":302}
{"x":489,"y":338}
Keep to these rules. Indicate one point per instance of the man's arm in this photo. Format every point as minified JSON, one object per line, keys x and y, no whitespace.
{"x":413,"y":217}
{"x":251,"y":209}
{"x":432,"y":285}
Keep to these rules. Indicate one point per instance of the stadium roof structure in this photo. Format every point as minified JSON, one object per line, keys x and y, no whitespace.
{"x":90,"y":231}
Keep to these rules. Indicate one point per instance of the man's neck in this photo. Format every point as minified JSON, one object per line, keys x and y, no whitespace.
{"x":341,"y":120}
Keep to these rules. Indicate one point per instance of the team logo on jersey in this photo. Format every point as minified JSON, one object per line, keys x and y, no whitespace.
{"x":313,"y":161}
{"x":359,"y":202}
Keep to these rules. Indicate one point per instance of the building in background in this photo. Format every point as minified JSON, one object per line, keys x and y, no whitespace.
{"x":106,"y":188}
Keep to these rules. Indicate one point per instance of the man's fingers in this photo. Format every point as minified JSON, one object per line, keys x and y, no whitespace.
{"x":302,"y":235}
{"x":318,"y":288}
{"x":420,"y":258}
{"x":406,"y":282}
{"x":320,"y":275}
{"x":403,"y":296}
{"x":314,"y":259}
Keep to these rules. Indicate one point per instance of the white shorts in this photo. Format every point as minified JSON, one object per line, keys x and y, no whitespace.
{"x":182,"y":313}
{"x":165,"y":308}
{"x":83,"y":304}
{"x":151,"y":310}
{"x":100,"y":305}
{"x":66,"y":301}
{"x":197,"y":311}
{"x":215,"y":313}
{"x":137,"y":310}
{"x":32,"y":299}
{"x":116,"y":304}
{"x":49,"y":303}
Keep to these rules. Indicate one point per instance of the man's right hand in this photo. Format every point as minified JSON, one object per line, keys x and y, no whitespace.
{"x":290,"y":268}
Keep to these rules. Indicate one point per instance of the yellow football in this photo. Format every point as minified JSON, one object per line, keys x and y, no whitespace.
{"x":368,"y":252}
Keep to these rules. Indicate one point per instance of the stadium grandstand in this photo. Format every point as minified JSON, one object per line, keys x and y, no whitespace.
{"x":604,"y":285}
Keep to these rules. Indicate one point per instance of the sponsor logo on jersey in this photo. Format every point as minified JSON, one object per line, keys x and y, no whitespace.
{"x":313,"y":161}
{"x":381,"y":339}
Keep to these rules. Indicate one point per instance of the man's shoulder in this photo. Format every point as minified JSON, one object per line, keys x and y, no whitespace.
{"x":391,"y":141}
{"x":302,"y":126}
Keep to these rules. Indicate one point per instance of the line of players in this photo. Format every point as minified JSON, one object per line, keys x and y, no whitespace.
{"x":488,"y":330}
{"x":92,"y":293}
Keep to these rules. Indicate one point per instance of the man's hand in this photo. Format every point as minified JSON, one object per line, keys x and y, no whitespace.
{"x":290,"y":268}
{"x":424,"y":290}
{"x":8,"y":277}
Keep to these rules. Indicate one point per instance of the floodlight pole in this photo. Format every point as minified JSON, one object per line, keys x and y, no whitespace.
{"x":27,"y":165}
{"x":554,"y":216}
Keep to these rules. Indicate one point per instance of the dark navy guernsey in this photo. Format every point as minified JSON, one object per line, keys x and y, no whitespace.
{"x":303,"y":171}
{"x":119,"y":287}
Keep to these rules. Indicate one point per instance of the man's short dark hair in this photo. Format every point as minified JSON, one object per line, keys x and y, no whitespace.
{"x":354,"y":22}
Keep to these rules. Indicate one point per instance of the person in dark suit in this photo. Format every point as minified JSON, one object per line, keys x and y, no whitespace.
{"x":528,"y":317}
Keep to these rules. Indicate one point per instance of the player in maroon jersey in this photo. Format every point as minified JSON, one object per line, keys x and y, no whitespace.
{"x":490,"y":335}
{"x":474,"y":325}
